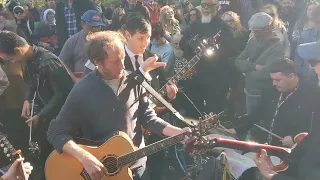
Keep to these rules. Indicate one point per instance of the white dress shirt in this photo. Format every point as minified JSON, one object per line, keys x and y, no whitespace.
{"x":140,"y":60}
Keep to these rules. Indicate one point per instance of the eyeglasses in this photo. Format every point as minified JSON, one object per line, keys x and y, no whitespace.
{"x":314,"y":62}
{"x":193,"y":14}
{"x":205,"y":5}
{"x":19,"y":12}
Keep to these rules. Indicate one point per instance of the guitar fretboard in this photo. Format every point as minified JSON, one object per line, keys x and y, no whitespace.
{"x":151,"y":149}
{"x":177,"y":77}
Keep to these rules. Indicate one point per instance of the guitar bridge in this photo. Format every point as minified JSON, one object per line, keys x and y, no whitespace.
{"x":85,"y":175}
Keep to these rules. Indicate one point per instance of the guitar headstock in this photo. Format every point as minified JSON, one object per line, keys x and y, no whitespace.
{"x":12,"y":154}
{"x":200,"y":146}
{"x":204,"y":46}
{"x":208,"y":122}
{"x":7,"y":148}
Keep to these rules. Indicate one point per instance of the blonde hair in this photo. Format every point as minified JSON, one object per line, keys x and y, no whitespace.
{"x":277,"y":23}
{"x":163,"y":20}
{"x":237,"y":29}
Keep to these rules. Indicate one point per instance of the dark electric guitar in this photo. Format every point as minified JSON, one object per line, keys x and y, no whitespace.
{"x":11,"y":154}
{"x":206,"y":47}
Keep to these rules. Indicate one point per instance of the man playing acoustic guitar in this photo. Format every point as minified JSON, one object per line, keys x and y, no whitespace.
{"x":107,"y":100}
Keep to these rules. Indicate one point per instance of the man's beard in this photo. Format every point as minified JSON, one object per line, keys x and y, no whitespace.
{"x":206,"y":18}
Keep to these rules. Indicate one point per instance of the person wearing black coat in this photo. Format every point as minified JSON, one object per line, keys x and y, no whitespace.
{"x":304,"y":159}
{"x":287,"y":110}
{"x":80,"y":7}
{"x":47,"y":84}
{"x":209,"y":86}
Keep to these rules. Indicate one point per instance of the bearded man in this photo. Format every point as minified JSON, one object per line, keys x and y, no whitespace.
{"x":209,"y":85}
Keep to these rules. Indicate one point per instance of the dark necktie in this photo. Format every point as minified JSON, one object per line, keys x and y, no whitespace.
{"x":137,"y":63}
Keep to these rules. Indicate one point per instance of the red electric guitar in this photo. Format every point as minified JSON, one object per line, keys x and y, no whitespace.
{"x":206,"y":145}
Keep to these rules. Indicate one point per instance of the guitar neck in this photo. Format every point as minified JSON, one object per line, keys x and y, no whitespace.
{"x":151,"y":149}
{"x":180,"y":75}
{"x":252,"y":147}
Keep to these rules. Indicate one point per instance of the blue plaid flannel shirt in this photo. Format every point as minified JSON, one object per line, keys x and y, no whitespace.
{"x":70,"y":18}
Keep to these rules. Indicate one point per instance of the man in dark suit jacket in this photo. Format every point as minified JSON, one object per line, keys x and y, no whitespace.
{"x":78,"y":7}
{"x":138,"y":33}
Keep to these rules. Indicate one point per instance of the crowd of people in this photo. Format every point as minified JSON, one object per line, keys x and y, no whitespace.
{"x":67,"y":71}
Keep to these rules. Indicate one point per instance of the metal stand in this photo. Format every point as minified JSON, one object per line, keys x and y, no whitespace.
{"x":33,"y":146}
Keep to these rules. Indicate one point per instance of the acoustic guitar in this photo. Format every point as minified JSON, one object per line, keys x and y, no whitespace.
{"x":12,"y":154}
{"x":207,"y":144}
{"x":116,"y":154}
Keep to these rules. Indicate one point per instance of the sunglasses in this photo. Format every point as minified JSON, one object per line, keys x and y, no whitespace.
{"x":19,"y":12}
{"x":314,"y":62}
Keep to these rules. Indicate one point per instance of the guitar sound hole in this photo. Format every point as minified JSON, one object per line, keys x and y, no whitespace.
{"x":111,"y":164}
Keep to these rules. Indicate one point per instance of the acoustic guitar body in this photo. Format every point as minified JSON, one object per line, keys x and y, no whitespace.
{"x":65,"y":167}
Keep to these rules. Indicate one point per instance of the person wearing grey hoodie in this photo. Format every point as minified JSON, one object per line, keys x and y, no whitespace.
{"x":254,"y":61}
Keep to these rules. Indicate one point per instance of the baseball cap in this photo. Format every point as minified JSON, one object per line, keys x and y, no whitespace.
{"x":259,"y":20}
{"x":93,"y":18}
{"x":309,"y":51}
{"x":16,"y":8}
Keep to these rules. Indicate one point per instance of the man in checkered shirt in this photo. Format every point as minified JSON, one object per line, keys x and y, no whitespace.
{"x":68,"y":18}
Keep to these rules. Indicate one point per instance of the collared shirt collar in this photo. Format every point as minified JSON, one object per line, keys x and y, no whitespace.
{"x":130,"y":53}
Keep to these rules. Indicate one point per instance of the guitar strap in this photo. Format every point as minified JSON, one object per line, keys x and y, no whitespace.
{"x":279,"y":104}
{"x":155,"y":94}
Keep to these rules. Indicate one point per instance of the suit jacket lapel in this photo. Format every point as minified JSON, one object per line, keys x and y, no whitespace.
{"x":127,"y":63}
